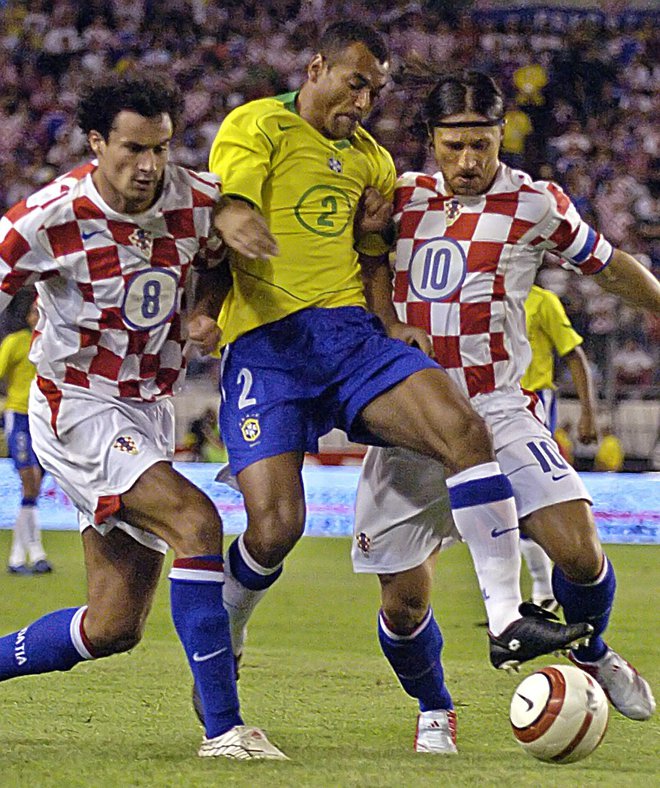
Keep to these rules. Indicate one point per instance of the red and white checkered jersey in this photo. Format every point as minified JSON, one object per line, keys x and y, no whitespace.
{"x":110,"y":285}
{"x":465,"y":265}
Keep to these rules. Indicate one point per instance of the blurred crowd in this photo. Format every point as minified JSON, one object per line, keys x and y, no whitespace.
{"x":581,"y":86}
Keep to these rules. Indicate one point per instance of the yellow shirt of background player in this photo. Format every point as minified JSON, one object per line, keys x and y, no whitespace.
{"x":16,"y":369}
{"x":548,"y":329}
{"x":307,"y":187}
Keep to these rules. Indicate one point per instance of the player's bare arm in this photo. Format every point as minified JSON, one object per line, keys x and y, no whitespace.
{"x":578,"y":366}
{"x":627,"y":278}
{"x":374,"y":215}
{"x":377,"y":281}
{"x":210,"y":291}
{"x":244,"y":229}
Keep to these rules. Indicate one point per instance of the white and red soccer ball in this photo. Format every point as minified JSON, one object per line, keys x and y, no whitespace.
{"x":559,"y":714}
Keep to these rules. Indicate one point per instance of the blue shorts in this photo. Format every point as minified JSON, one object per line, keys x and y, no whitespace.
{"x":285,"y":384}
{"x":19,"y":442}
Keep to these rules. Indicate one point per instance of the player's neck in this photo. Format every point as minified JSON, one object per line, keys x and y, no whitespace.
{"x":116,"y":200}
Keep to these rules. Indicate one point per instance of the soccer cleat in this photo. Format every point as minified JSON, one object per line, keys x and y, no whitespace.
{"x":436,"y":732}
{"x":550,"y":604}
{"x":19,"y":569}
{"x":42,"y":567}
{"x":241,"y":743}
{"x":627,"y":691}
{"x":537,"y":632}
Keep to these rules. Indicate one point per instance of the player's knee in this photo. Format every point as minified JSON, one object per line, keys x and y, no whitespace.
{"x":196,"y":526}
{"x":114,"y":636}
{"x":272,"y":534}
{"x":580,"y":557}
{"x":404,"y":613}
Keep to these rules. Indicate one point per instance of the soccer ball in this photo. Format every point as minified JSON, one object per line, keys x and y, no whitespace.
{"x":559,"y":714}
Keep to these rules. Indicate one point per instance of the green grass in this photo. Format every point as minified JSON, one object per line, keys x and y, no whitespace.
{"x":314,"y":678}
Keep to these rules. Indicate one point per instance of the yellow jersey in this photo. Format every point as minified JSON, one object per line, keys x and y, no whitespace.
{"x":17,"y":369}
{"x":548,"y":330}
{"x":307,"y":187}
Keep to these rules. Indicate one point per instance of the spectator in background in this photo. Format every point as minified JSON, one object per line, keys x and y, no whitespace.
{"x":27,"y":555}
{"x":632,"y":365}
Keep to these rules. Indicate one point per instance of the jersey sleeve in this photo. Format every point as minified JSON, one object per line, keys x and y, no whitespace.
{"x":557,"y":326}
{"x":241,"y":154}
{"x":565,"y":233}
{"x":25,"y":256}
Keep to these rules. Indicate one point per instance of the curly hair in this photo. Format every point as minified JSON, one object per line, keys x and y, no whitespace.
{"x":102,"y":101}
{"x":340,"y":35}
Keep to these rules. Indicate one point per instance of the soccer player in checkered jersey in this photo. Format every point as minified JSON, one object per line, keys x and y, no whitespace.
{"x":302,"y":352}
{"x":109,"y":247}
{"x":470,"y":239}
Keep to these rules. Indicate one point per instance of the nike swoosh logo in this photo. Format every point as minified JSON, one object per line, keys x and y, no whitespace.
{"x":285,"y":128}
{"x":197,"y":658}
{"x":558,"y":478}
{"x":527,"y":701}
{"x":87,"y":236}
{"x":495,"y":533}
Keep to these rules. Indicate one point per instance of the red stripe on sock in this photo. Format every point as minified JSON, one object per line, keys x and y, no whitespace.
{"x":84,"y":637}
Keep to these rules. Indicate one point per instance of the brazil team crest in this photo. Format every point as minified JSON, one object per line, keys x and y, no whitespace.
{"x":335,"y":165}
{"x":250,"y":429}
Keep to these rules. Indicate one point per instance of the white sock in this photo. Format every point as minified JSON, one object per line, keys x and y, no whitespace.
{"x":240,"y":601}
{"x":540,"y":570}
{"x":17,"y":554}
{"x":33,"y":534}
{"x":490,"y":530}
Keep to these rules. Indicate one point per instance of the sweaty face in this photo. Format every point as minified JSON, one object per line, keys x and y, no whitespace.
{"x":467,"y":156}
{"x":346,"y":87}
{"x":132,"y":160}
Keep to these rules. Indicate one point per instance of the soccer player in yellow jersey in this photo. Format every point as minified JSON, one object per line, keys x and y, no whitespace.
{"x":18,"y":372}
{"x":302,"y":182}
{"x":550,"y":331}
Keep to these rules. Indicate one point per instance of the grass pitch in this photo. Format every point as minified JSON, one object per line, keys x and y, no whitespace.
{"x":314,"y":678}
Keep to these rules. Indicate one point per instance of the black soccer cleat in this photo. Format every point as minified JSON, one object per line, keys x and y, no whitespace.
{"x":538,"y":632}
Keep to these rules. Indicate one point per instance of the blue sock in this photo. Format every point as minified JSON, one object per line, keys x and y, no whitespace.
{"x":247,"y":575}
{"x":416,"y":661}
{"x":54,"y":642}
{"x":202,"y":625}
{"x":591,"y":602}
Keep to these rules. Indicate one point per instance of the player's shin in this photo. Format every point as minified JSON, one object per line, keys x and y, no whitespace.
{"x":591,"y":602}
{"x":54,"y":642}
{"x":246,"y":582}
{"x":203,"y":628}
{"x":485,"y":515}
{"x":415,"y":659}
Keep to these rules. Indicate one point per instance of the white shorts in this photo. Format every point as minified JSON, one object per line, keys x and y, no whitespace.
{"x":97,"y":447}
{"x":402,"y":511}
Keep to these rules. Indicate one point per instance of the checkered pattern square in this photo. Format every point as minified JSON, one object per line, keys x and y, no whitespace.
{"x":110,"y":285}
{"x":465,"y":264}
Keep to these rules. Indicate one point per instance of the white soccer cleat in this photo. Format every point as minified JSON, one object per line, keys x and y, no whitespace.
{"x":436,"y":732}
{"x":241,"y":743}
{"x":627,"y":691}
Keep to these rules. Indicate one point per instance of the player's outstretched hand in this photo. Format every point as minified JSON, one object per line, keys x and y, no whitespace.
{"x":373,"y":214}
{"x":245,"y":230}
{"x":203,"y":333}
{"x":586,"y":429}
{"x":412,"y":335}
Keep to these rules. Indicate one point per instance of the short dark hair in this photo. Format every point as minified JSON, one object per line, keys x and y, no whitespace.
{"x":340,"y":35}
{"x":102,"y":101}
{"x":464,"y":91}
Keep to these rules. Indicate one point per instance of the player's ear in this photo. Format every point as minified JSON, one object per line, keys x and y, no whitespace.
{"x":315,"y":67}
{"x":96,"y":141}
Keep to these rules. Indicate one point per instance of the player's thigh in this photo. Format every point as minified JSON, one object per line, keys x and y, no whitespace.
{"x":122,"y":576}
{"x":428,"y":413}
{"x":567,"y":532}
{"x":165,"y":503}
